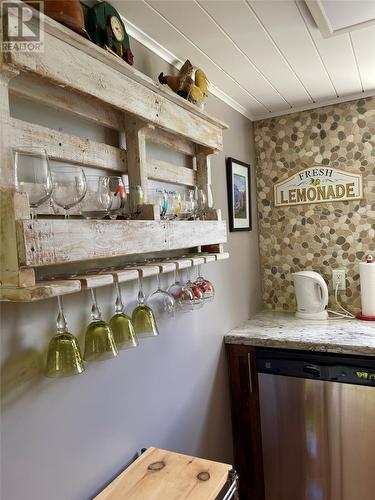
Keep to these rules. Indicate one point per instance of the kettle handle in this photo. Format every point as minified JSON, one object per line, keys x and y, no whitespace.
{"x":323,"y":286}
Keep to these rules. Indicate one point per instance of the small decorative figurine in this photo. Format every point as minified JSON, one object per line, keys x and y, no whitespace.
{"x":107,"y":30}
{"x":183,"y":84}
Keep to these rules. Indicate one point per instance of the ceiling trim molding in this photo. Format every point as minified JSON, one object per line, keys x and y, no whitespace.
{"x":315,"y":105}
{"x":173,"y":60}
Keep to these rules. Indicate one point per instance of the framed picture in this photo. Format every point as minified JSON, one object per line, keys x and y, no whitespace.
{"x":239,"y":195}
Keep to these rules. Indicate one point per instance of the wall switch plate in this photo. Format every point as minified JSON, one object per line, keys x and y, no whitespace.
{"x":339,"y":275}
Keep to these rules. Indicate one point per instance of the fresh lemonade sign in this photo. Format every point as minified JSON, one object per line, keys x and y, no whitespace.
{"x":317,"y":184}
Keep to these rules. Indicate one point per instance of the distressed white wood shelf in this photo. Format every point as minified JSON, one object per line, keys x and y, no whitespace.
{"x":50,"y":242}
{"x":73,"y":75}
{"x":64,"y":286}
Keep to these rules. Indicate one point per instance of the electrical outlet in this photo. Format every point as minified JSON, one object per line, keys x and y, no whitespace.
{"x":339,"y":276}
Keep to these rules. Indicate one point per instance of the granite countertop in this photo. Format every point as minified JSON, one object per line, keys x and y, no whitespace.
{"x":284,"y":330}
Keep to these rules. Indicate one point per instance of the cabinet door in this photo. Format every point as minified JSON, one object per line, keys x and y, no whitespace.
{"x":246,"y":421}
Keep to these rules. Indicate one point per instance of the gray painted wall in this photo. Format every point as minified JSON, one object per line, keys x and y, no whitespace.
{"x":64,"y":439}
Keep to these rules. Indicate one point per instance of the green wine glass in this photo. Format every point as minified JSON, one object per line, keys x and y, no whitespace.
{"x":99,"y":341}
{"x":121,"y":325}
{"x":143,"y":317}
{"x":64,"y":355}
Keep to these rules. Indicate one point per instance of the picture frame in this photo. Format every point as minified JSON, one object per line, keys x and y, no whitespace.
{"x":239,"y":195}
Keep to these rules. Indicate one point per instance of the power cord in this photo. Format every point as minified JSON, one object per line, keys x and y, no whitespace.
{"x":340,"y":315}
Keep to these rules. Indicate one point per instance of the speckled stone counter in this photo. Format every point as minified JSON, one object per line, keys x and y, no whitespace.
{"x":285,"y":331}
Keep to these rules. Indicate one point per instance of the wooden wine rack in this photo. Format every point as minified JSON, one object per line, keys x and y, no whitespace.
{"x":73,"y":75}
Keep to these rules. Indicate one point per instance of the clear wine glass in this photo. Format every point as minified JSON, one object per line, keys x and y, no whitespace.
{"x":159,"y":198}
{"x":198,"y":300}
{"x":202,"y":204}
{"x":174,"y":205}
{"x":97,"y":201}
{"x":64,"y":355}
{"x":121,"y":324}
{"x":187,"y":205}
{"x":183,"y":296}
{"x":143,"y":317}
{"x":118,"y":196}
{"x":99,"y":341}
{"x":161,"y":302}
{"x":33,"y":175}
{"x":69,"y":187}
{"x":210,"y":198}
{"x":195,"y":203}
{"x":206,"y":286}
{"x":192,"y":204}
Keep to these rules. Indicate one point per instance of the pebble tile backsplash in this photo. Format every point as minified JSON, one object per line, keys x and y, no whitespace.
{"x":322,"y":236}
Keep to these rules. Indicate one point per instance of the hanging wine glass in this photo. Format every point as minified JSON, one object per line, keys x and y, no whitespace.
{"x":161,"y":302}
{"x":97,"y":201}
{"x":118,"y":196}
{"x":143,"y":317}
{"x":206,"y":286}
{"x":33,"y":175}
{"x":64,"y":355}
{"x":121,"y":325}
{"x":183,"y":296}
{"x":99,"y":341}
{"x":69,"y":187}
{"x":196,"y":290}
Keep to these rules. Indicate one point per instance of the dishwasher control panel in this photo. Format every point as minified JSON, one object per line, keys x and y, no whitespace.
{"x":349,"y":370}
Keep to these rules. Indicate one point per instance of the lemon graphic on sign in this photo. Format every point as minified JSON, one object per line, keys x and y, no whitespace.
{"x":315,"y":182}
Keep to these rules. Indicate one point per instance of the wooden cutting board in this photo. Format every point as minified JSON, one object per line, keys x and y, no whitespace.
{"x":164,"y":475}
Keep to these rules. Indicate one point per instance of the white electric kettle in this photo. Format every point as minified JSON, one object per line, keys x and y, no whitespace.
{"x":311,"y":294}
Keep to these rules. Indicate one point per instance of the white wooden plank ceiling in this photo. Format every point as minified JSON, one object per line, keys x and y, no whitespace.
{"x":263,"y":57}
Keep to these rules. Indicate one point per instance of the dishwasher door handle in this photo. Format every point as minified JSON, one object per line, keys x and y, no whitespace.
{"x":313,"y":370}
{"x":249,"y":368}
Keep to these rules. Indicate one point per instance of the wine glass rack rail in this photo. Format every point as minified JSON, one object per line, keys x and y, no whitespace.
{"x":63,"y":285}
{"x":73,"y":75}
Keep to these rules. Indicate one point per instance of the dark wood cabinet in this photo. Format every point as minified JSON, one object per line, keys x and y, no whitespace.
{"x":246,"y":421}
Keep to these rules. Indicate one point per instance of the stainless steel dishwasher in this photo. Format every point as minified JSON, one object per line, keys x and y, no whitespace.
{"x":318,"y":425}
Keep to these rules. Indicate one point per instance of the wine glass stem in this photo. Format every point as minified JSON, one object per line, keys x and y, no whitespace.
{"x":119,"y":306}
{"x":95,"y":311}
{"x":141,"y":295}
{"x":158,"y":280}
{"x":61,"y":324}
{"x":34,"y":214}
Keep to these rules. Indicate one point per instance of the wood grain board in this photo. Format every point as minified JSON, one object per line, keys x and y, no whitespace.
{"x":104,"y":80}
{"x":66,"y":147}
{"x":56,"y":241}
{"x":41,"y":291}
{"x":40,"y":91}
{"x":165,"y":475}
{"x":167,"y":172}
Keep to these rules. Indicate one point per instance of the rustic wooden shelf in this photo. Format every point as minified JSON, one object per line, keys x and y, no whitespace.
{"x":91,"y":83}
{"x":56,"y":241}
{"x":88,"y":69}
{"x":48,"y":289}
